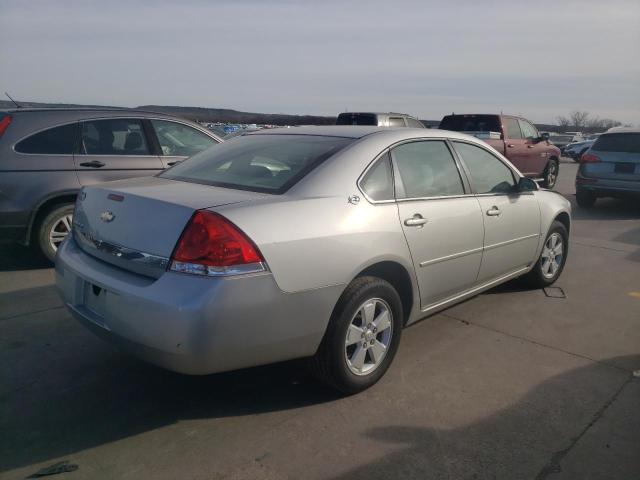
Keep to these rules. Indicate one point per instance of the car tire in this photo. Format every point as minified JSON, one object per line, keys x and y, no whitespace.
{"x":585,"y":199}
{"x":53,"y":228}
{"x":337,"y":361}
{"x":553,"y":258}
{"x":550,"y":174}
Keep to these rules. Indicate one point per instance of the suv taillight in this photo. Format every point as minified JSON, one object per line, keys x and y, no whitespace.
{"x":589,"y":158}
{"x":4,"y":124}
{"x":212,"y":245}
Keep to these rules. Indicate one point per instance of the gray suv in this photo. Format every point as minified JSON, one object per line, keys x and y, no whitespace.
{"x":389,"y":119}
{"x":47,"y":155}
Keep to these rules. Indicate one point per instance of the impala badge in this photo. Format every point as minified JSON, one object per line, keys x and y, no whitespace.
{"x":107,"y":216}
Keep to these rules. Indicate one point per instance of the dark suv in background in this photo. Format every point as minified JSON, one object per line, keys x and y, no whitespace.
{"x":47,"y":155}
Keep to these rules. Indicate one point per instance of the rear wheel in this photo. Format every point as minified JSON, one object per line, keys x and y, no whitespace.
{"x":362,"y":337}
{"x":54,"y":228}
{"x":552,"y":258}
{"x":550,"y":175}
{"x":585,"y":198}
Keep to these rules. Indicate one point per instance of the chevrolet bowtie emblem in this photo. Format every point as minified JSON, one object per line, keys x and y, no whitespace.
{"x":107,"y":216}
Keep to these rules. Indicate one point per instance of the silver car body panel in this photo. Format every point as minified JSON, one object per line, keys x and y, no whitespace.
{"x":315,"y":240}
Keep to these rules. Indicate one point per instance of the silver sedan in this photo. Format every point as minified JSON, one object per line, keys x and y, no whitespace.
{"x":320,"y":242}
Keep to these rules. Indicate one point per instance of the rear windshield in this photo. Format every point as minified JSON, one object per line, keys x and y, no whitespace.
{"x":357,"y":119}
{"x":618,"y":142}
{"x":471,"y":123}
{"x":260,"y":163}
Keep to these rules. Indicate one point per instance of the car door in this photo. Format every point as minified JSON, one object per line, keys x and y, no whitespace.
{"x":178,"y":141}
{"x":515,"y":144}
{"x":115,"y":148}
{"x":511,"y":220}
{"x":536,"y":149}
{"x":441,"y":220}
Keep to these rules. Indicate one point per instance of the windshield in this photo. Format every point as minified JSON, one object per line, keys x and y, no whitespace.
{"x":471,"y":123}
{"x":618,"y":142}
{"x":260,"y":163}
{"x":357,"y":119}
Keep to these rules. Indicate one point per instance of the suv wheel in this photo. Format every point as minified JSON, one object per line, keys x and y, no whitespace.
{"x":552,"y":258}
{"x":550,"y":174}
{"x":585,"y":198}
{"x":362,"y":337}
{"x":54,"y":228}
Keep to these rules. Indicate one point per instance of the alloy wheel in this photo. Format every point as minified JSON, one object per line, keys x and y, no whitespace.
{"x":552,"y":255}
{"x":59,"y":231}
{"x":368,"y":336}
{"x":552,"y":174}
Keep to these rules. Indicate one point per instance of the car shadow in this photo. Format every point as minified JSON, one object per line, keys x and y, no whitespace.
{"x":18,"y":257}
{"x":606,"y":209}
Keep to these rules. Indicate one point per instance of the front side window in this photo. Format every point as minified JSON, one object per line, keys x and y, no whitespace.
{"x":512,"y":128}
{"x":427,"y":169}
{"x":117,"y":136}
{"x":396,"y":122}
{"x":488,"y":173}
{"x":378,"y":181}
{"x":357,"y":119}
{"x":177,"y":139}
{"x":261,"y":163}
{"x":61,"y":140}
{"x":528,"y":131}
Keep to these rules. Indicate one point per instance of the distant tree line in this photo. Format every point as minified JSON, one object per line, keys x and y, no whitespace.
{"x":581,"y":121}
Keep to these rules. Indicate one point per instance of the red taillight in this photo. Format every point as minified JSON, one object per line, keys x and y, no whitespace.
{"x":4,"y":124}
{"x":589,"y":158}
{"x":212,"y":245}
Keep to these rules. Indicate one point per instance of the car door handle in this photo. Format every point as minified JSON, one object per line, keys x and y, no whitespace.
{"x":510,"y":145}
{"x":494,"y":211}
{"x":415,"y":221}
{"x":529,"y":146}
{"x":92,"y":164}
{"x":171,"y":164}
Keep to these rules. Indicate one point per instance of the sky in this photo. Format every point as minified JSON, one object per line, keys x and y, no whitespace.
{"x":539,"y":59}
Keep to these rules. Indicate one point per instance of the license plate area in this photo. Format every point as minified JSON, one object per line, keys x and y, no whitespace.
{"x":625,"y":168}
{"x":95,"y":299}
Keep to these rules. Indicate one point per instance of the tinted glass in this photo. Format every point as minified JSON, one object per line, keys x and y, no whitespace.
{"x":357,"y":119}
{"x":528,"y":130}
{"x":488,"y":173}
{"x":561,"y":138}
{"x":118,"y":136}
{"x":55,"y":141}
{"x":378,"y":182}
{"x":396,"y":122}
{"x":512,"y":128}
{"x":471,"y":123}
{"x":414,"y":123}
{"x":261,"y":163}
{"x":177,"y":139}
{"x":618,"y":142}
{"x":427,"y":169}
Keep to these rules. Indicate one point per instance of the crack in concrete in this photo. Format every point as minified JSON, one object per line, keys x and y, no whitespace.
{"x":2,"y":319}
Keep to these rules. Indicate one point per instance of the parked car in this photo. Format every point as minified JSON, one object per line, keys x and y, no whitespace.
{"x":562,"y":140}
{"x":514,"y":137}
{"x":610,"y":168}
{"x":301,"y":242}
{"x":577,"y":149}
{"x":389,"y":119}
{"x":47,"y":155}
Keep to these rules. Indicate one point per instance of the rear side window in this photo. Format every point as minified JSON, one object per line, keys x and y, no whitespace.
{"x":61,"y":140}
{"x":512,"y":128}
{"x":357,"y":119}
{"x":177,"y":139}
{"x":260,"y":163}
{"x":488,"y":173}
{"x":118,"y":136}
{"x":618,"y":142}
{"x":378,"y":182}
{"x":471,"y":123}
{"x":427,"y":169}
{"x":413,"y":123}
{"x":396,"y":122}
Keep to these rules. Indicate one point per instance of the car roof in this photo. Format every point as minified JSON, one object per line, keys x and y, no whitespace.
{"x":108,"y":110}
{"x":377,"y":113}
{"x":623,"y":130}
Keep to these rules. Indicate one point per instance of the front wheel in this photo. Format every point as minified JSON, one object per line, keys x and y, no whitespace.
{"x":54,"y":228}
{"x":552,"y":258}
{"x":550,"y":175}
{"x":362,"y":337}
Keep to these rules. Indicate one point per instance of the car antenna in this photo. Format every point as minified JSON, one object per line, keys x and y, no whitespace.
{"x":14,"y":102}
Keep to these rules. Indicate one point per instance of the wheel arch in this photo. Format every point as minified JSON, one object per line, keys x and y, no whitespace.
{"x":66,"y":196}
{"x":565,"y":219}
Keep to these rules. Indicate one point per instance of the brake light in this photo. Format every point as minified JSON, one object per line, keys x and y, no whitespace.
{"x":212,"y":245}
{"x":589,"y":158}
{"x":4,"y":124}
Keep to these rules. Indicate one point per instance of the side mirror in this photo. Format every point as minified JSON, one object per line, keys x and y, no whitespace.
{"x":526,"y":185}
{"x":544,"y":136}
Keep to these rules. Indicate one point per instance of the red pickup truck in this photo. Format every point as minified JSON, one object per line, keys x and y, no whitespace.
{"x":514,"y":137}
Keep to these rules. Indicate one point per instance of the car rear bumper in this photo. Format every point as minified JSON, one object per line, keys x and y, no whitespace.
{"x":608,"y":187}
{"x":192,"y":324}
